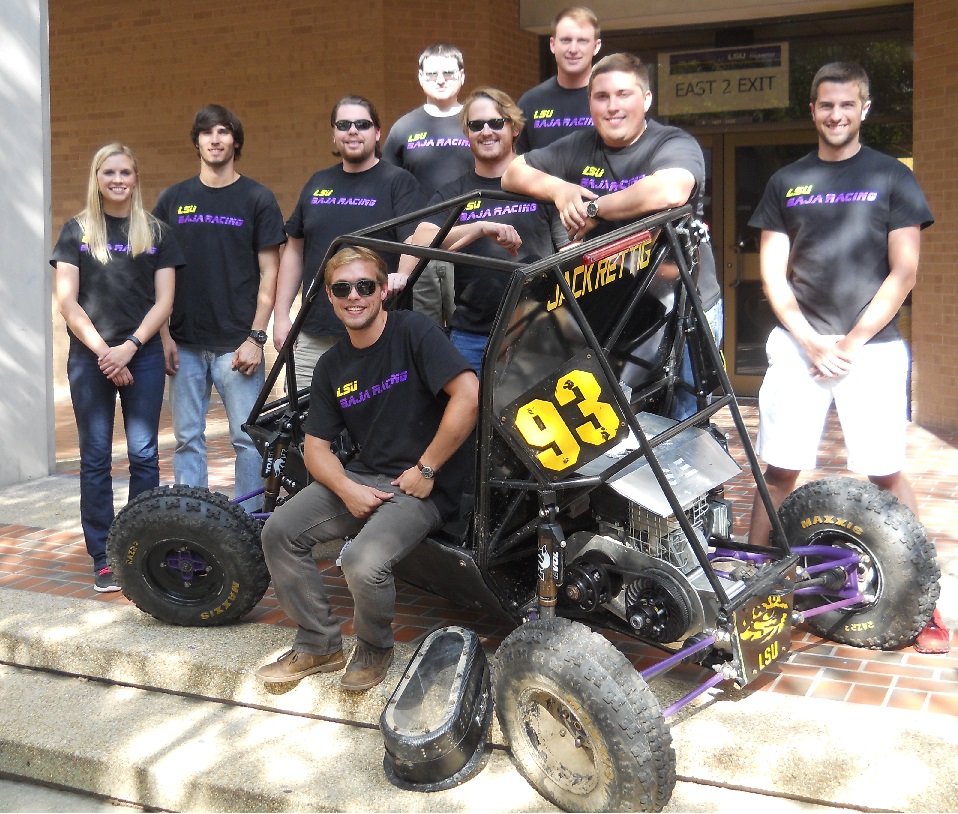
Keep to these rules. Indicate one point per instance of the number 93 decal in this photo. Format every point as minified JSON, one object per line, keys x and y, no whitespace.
{"x":569,"y":426}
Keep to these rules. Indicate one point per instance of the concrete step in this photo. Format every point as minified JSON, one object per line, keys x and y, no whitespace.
{"x":101,"y":697}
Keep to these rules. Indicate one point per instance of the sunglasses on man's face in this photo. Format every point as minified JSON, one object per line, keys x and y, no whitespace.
{"x":365,"y":288}
{"x":343,"y":125}
{"x":476,"y":125}
{"x":433,"y":76}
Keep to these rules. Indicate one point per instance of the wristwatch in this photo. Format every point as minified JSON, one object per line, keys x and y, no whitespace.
{"x":426,"y":471}
{"x":259,"y":337}
{"x":592,"y":209}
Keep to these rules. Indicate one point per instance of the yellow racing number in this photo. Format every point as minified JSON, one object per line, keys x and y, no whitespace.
{"x":543,"y":428}
{"x":588,"y":389}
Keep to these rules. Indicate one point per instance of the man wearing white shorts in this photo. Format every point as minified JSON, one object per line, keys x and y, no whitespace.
{"x":841,"y":230}
{"x":870,"y":400}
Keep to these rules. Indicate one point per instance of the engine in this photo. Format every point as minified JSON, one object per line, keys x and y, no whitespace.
{"x":641,"y":567}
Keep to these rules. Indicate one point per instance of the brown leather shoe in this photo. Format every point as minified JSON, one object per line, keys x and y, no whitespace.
{"x":367,"y":667}
{"x":295,"y":664}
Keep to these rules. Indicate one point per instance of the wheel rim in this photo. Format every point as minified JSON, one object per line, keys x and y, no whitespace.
{"x":183,"y":571}
{"x":868,"y":572}
{"x":558,"y":741}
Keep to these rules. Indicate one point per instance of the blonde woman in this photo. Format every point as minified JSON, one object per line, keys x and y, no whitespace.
{"x":115,"y":266}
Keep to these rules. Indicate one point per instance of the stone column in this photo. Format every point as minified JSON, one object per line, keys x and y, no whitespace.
{"x":27,"y":447}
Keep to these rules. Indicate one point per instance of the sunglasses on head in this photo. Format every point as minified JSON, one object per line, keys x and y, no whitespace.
{"x":343,"y":125}
{"x":476,"y":125}
{"x":365,"y":288}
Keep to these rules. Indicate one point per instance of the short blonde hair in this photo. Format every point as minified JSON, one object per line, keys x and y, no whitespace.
{"x":580,"y":15}
{"x":355,"y":254}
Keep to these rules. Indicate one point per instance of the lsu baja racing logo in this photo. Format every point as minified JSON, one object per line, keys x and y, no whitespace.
{"x":768,"y":620}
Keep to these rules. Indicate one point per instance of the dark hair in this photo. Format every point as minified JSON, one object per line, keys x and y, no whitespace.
{"x":840,"y":73}
{"x":362,"y":101}
{"x":627,"y":63}
{"x":212,"y":116}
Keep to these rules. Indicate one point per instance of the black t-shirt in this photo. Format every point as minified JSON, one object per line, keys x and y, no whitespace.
{"x":335,"y":202}
{"x":390,"y":398}
{"x":220,"y":230}
{"x":116,"y":295}
{"x":837,"y":215}
{"x":585,"y":160}
{"x":479,"y":290}
{"x":432,"y":148}
{"x":551,"y":112}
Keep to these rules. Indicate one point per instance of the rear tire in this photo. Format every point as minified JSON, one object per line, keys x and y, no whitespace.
{"x":188,"y":556}
{"x":583,"y":726}
{"x":898,"y":574}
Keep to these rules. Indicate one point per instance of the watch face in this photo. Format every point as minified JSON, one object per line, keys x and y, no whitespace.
{"x":258,"y":336}
{"x":592,"y":210}
{"x":427,"y":471}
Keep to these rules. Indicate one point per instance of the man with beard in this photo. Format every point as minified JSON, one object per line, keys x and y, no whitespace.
{"x":230,"y":229}
{"x":409,"y":400}
{"x":360,"y":191}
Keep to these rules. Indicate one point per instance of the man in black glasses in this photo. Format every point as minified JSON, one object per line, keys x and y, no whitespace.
{"x":428,"y":142}
{"x":498,"y":229}
{"x":408,"y":400}
{"x":360,"y":191}
{"x":623,"y":167}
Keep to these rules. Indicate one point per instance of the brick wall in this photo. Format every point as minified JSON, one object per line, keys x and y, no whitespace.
{"x":935,"y":300}
{"x":136,"y":72}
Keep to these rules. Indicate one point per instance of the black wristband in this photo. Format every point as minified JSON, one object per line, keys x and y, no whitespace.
{"x":132,"y":338}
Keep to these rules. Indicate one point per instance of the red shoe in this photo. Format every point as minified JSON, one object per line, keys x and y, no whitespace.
{"x":934,"y":637}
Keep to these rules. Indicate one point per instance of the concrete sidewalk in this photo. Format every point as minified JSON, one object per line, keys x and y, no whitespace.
{"x":101,"y":697}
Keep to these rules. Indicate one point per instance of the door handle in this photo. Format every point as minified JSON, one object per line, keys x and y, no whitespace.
{"x":739,"y":249}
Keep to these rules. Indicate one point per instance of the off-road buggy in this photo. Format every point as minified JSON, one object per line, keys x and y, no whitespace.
{"x":590,"y":510}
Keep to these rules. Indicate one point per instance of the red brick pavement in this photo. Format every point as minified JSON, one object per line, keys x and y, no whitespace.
{"x":55,"y":562}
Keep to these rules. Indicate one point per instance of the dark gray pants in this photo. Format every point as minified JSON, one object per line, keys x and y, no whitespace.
{"x":317,"y":515}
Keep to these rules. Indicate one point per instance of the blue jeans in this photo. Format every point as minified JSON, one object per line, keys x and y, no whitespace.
{"x":94,"y":405}
{"x":471,"y":346}
{"x":685,"y":403}
{"x":190,"y":389}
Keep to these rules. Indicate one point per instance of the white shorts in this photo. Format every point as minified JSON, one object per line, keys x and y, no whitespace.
{"x":871,"y":401}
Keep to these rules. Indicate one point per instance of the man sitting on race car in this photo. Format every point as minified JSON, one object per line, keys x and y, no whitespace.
{"x":408,"y":399}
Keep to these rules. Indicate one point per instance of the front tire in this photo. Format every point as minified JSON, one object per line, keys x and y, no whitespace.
{"x":898,"y":574}
{"x":583,"y":726}
{"x":188,"y":556}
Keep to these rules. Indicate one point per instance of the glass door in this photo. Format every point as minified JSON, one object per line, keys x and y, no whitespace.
{"x":749,"y":160}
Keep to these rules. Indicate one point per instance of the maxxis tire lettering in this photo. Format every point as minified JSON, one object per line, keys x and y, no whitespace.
{"x":188,"y":556}
{"x":899,"y":567}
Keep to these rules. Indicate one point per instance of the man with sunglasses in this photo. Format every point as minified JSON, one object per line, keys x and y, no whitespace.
{"x":496,"y":229}
{"x":360,"y":191}
{"x":409,"y":400}
{"x":429,"y":143}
